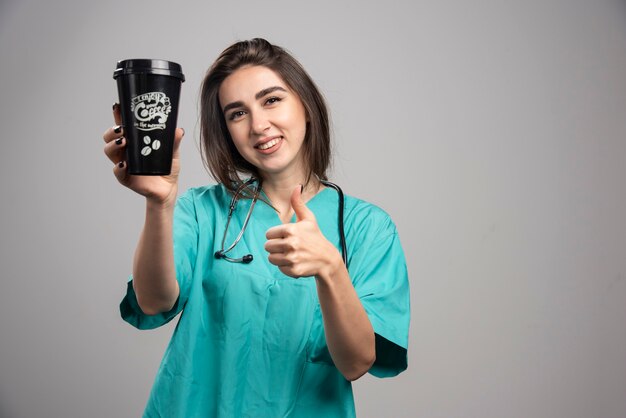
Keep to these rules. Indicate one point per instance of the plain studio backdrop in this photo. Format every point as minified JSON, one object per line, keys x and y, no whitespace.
{"x":493,"y":132}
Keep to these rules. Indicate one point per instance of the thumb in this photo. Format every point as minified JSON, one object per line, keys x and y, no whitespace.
{"x":178,"y":136}
{"x":302,"y":212}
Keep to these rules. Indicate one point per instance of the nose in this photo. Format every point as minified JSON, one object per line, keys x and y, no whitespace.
{"x":260,"y":122}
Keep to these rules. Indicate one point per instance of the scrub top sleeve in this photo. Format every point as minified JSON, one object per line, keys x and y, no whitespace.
{"x":185,"y":251}
{"x":379,"y":274}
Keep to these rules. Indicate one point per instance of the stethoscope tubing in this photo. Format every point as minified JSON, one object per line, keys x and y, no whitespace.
{"x":222,"y":254}
{"x":342,"y":236}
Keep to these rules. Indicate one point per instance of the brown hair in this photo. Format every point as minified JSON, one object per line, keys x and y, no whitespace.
{"x":219,"y":154}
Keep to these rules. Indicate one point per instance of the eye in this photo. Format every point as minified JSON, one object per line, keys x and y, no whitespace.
{"x":236,"y":115}
{"x":272,"y":100}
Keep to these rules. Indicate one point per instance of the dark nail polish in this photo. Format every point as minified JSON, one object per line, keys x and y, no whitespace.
{"x":301,"y":188}
{"x":117,"y":129}
{"x":183,"y":131}
{"x":121,"y":164}
{"x":115,"y":106}
{"x":118,"y":141}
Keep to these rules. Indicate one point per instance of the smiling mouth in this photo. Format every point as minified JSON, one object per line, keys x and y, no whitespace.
{"x":269,"y":144}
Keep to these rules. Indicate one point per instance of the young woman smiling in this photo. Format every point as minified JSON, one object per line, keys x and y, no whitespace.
{"x":283,"y":304}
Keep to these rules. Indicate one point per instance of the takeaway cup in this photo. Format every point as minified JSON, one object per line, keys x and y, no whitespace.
{"x":149,"y":93}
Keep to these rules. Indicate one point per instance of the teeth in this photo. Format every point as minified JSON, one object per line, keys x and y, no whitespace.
{"x":269,"y":144}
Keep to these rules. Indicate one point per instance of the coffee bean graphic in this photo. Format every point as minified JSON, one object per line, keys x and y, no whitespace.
{"x":145,"y":151}
{"x":156,"y":144}
{"x":146,"y":140}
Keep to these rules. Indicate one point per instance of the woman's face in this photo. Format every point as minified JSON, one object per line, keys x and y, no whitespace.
{"x":266,"y":120}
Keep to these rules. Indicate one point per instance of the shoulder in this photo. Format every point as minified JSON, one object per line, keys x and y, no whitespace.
{"x":202,"y":202}
{"x":364,"y":217}
{"x":209,"y":192}
{"x":204,"y":196}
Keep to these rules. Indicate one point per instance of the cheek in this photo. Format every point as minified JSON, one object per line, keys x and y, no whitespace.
{"x":297,"y":120}
{"x":237,"y":135}
{"x":240,"y":141}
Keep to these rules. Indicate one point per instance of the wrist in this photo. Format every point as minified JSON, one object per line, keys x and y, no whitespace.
{"x":332,"y":267}
{"x":161,"y":206}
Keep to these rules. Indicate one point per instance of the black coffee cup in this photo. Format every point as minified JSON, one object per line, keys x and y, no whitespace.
{"x":149,"y":93}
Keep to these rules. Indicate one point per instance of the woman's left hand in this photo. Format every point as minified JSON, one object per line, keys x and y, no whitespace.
{"x":300,"y":249}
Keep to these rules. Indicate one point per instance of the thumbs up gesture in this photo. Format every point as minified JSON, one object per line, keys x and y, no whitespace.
{"x":300,"y":249}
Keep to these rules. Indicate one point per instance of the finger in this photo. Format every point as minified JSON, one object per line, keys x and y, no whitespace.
{"x":290,"y":271}
{"x":302,"y":212}
{"x":277,"y":232}
{"x":277,"y":246}
{"x":120,"y":170}
{"x":113,"y":133}
{"x":178,"y":136}
{"x":115,"y":150}
{"x":117,"y":114}
{"x":279,"y":260}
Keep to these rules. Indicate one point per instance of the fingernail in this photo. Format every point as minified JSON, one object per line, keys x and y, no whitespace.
{"x":121,"y":164}
{"x":117,"y":129}
{"x":118,"y":141}
{"x":301,"y":188}
{"x":183,"y":131}
{"x":115,"y":105}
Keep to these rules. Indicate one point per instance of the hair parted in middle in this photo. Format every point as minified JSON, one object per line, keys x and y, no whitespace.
{"x":219,"y":154}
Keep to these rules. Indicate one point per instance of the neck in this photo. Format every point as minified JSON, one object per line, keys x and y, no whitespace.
{"x":278,"y":189}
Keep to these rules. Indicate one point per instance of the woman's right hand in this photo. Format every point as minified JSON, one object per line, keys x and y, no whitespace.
{"x":160,"y":190}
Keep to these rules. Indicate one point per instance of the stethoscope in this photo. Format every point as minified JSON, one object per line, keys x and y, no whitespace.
{"x":222,"y":254}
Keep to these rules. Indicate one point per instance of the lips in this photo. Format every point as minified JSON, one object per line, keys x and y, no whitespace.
{"x":269,"y":145}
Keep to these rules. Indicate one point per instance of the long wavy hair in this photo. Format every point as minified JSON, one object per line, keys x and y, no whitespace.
{"x":219,"y":153}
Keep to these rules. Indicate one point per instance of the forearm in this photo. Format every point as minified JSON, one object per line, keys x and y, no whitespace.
{"x":349,"y":333}
{"x":154,"y":273}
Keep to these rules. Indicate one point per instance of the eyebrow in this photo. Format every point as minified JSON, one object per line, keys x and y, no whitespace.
{"x":257,"y":96}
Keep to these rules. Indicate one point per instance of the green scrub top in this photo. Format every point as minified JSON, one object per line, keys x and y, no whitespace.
{"x":250,"y":340}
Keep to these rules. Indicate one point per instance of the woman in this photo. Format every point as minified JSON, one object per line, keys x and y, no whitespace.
{"x":252,"y":341}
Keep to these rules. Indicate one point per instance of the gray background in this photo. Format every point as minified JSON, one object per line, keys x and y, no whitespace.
{"x":493,"y":132}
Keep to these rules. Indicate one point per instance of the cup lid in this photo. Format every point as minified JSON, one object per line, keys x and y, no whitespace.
{"x":148,"y":66}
